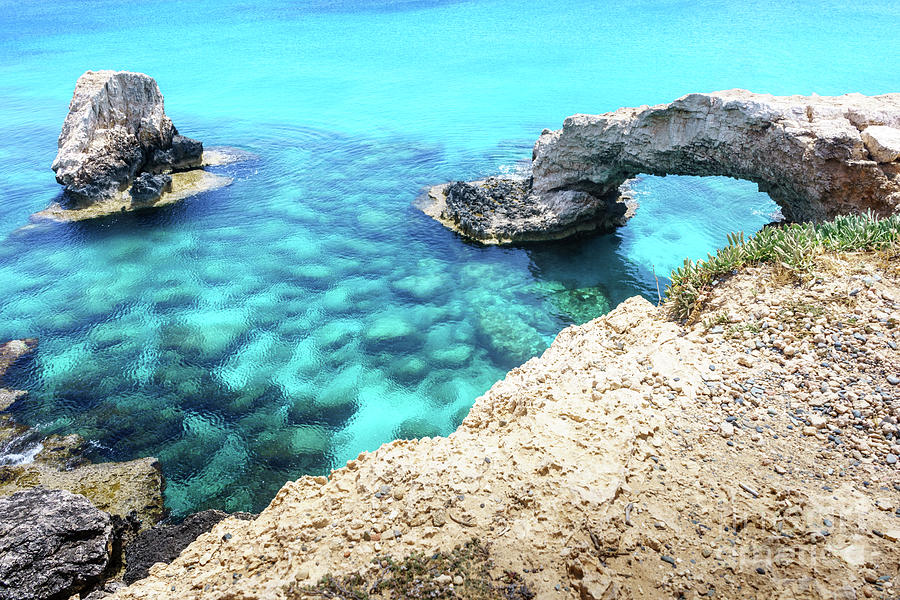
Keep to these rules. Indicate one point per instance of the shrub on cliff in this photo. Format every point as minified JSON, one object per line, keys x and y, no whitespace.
{"x":794,"y":247}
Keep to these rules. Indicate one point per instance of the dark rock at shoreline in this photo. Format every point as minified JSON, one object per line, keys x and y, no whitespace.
{"x":500,"y":210}
{"x":148,"y":187}
{"x":183,"y":153}
{"x":52,"y":544}
{"x":165,"y":542}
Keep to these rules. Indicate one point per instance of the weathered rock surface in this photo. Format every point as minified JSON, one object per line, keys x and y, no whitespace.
{"x":883,"y":143}
{"x":816,"y":156}
{"x":52,"y":544}
{"x":119,"y":151}
{"x":120,"y":488}
{"x":164,"y":543}
{"x":500,"y":211}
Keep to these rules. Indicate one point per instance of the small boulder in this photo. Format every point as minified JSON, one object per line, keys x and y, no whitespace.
{"x":726,"y":429}
{"x":883,"y":143}
{"x":148,"y":187}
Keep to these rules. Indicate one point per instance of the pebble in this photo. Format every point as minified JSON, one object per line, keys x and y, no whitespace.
{"x":726,"y":429}
{"x":884,"y":504}
{"x":893,"y":379}
{"x":891,"y":459}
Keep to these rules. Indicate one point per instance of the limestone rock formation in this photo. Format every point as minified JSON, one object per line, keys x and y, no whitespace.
{"x":119,"y":151}
{"x":117,"y":129}
{"x":52,"y":544}
{"x":816,"y":156}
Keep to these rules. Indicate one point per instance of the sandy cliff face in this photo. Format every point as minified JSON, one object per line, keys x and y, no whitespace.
{"x":753,"y":455}
{"x":816,"y":156}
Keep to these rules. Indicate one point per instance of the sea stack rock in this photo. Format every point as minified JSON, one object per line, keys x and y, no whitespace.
{"x":816,"y":156}
{"x":118,"y":143}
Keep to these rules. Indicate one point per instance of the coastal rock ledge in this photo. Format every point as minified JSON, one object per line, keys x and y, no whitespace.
{"x":816,"y":156}
{"x":119,"y":151}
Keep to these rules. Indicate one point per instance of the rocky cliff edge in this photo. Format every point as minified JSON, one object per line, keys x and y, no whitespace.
{"x":753,"y":454}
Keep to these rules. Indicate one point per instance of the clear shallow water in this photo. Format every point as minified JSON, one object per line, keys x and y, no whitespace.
{"x":307,"y":312}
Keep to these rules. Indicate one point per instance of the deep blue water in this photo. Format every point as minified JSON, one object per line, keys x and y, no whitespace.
{"x":307,"y":312}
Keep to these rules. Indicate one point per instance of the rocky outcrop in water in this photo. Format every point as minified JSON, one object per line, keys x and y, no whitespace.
{"x":116,"y":130}
{"x":816,"y":156}
{"x":119,"y":151}
{"x":52,"y":544}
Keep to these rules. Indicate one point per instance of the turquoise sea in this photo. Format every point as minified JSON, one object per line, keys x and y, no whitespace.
{"x":308,"y":312}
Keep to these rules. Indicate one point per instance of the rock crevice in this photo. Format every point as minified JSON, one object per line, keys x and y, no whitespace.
{"x":816,"y":156}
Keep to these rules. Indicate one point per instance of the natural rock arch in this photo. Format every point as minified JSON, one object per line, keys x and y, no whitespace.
{"x":816,"y":156}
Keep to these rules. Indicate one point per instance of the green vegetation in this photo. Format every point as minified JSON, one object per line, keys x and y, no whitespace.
{"x":793,"y":247}
{"x":420,"y":576}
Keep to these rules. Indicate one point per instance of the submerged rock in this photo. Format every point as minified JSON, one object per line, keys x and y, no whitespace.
{"x":52,"y":544}
{"x":582,"y":304}
{"x":29,"y":458}
{"x":816,"y":156}
{"x":119,"y":151}
{"x":10,"y":352}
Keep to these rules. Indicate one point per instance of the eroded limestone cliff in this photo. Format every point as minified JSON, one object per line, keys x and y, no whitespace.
{"x":816,"y":156}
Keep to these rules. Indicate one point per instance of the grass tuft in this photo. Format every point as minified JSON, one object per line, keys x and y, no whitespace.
{"x":792,"y":247}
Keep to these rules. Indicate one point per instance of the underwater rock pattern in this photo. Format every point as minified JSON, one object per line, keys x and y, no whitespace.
{"x":816,"y":156}
{"x":117,"y":129}
{"x":29,"y":459}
